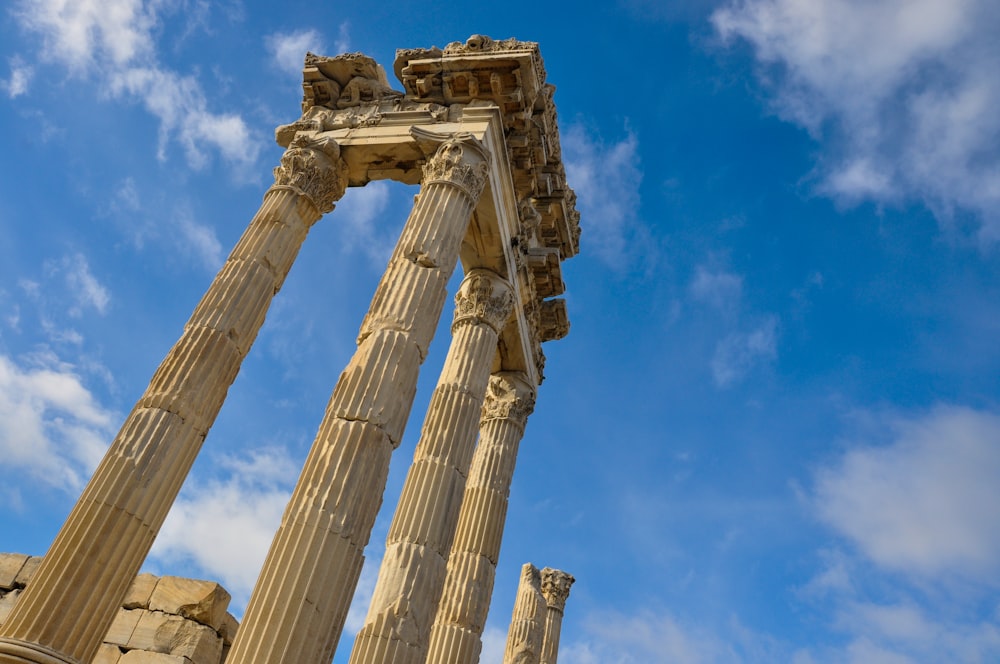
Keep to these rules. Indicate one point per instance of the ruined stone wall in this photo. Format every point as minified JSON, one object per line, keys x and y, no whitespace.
{"x":163,"y":620}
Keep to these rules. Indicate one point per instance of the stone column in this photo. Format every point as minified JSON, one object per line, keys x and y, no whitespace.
{"x":555,"y":588}
{"x":73,"y":598}
{"x":298,"y":607}
{"x":412,"y":574}
{"x":456,"y":636}
{"x":527,"y":625}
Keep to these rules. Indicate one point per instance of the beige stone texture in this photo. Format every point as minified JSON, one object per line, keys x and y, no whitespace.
{"x":555,"y":589}
{"x":143,"y":657}
{"x":456,"y":636}
{"x":298,"y":607}
{"x":10,"y":567}
{"x":228,"y":629}
{"x":140,"y":591}
{"x":123,"y":626}
{"x":413,"y":567}
{"x":527,"y":624}
{"x":27,"y":571}
{"x":171,"y":634}
{"x":202,"y":601}
{"x":108,"y":654}
{"x":7,"y":602}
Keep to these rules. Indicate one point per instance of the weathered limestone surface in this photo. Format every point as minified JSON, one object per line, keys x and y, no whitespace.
{"x":298,"y":608}
{"x":166,"y":619}
{"x":72,"y":601}
{"x":555,"y":588}
{"x":527,"y":624}
{"x":456,"y":636}
{"x":412,"y":572}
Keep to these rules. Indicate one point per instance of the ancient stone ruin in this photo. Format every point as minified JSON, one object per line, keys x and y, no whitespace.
{"x":476,"y":128}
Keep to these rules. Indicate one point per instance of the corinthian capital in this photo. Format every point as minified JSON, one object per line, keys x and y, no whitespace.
{"x":483,"y":297}
{"x":459,"y":159}
{"x":312,"y":166}
{"x":555,"y":587}
{"x":509,"y":396}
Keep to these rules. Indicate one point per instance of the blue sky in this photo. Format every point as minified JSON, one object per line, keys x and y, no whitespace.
{"x":773,"y":433}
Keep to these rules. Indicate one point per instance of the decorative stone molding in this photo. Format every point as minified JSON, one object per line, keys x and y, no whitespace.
{"x":312,"y":167}
{"x":483,"y":297}
{"x":458,"y":161}
{"x":555,"y":587}
{"x":508,"y":397}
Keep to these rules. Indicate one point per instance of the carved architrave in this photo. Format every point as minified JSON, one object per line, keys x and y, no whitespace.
{"x":555,"y":587}
{"x":508,"y":397}
{"x":312,"y":167}
{"x":483,"y":297}
{"x":459,"y":160}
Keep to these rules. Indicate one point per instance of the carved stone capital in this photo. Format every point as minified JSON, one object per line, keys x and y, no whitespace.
{"x":313,"y":168}
{"x":555,"y":587}
{"x":483,"y":297}
{"x":509,"y":396}
{"x":459,"y":159}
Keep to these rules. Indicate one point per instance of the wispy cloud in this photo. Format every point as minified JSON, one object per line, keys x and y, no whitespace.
{"x":606,"y":177}
{"x":83,"y":286}
{"x":224,"y":526}
{"x":358,"y":214}
{"x":289,"y":48}
{"x":115,"y":41}
{"x":51,"y":425}
{"x":739,"y":352}
{"x":719,"y":288}
{"x":928,"y":503}
{"x":20,"y":77}
{"x":901,"y":94}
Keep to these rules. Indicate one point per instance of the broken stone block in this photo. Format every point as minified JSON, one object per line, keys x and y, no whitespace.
{"x":203,"y":601}
{"x":170,"y":634}
{"x":122,"y":628}
{"x":107,"y":654}
{"x":10,"y":566}
{"x":140,"y":591}
{"x":7,"y":603}
{"x":143,"y":657}
{"x":27,"y":571}
{"x":228,"y":629}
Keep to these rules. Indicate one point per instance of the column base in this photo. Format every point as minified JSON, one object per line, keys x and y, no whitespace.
{"x":13,"y":651}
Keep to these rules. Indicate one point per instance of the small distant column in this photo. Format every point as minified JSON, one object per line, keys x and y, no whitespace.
{"x":555,"y":588}
{"x":297,"y":610}
{"x":456,"y":636}
{"x":412,"y":572}
{"x":527,"y":625}
{"x":64,"y":614}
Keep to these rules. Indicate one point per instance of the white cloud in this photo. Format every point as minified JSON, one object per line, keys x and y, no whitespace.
{"x":83,"y":285}
{"x":900,"y":93}
{"x":225,"y":526}
{"x":739,"y":352}
{"x":645,"y":638}
{"x":202,"y":240}
{"x":928,"y":503}
{"x":494,"y":645}
{"x":20,"y":77}
{"x":343,"y":42}
{"x":115,"y":41}
{"x":606,"y":178}
{"x":51,"y":425}
{"x":289,"y":48}
{"x":719,"y":289}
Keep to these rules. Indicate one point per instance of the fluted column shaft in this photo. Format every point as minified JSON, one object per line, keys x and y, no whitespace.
{"x":412,"y":573}
{"x":456,"y":636}
{"x":67,"y":609}
{"x":555,"y":589}
{"x":298,"y":607}
{"x":527,"y":624}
